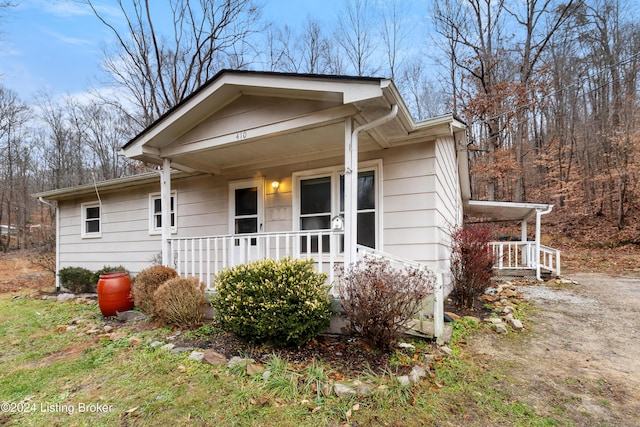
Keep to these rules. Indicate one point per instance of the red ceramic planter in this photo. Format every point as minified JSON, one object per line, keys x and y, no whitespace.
{"x":114,"y":293}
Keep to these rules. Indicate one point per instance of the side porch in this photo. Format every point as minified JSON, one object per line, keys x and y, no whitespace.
{"x":522,"y":256}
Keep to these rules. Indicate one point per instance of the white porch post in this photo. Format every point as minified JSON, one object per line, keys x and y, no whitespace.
{"x":351,"y":181}
{"x":350,"y":193}
{"x":165,"y":196}
{"x":525,"y":248}
{"x":537,"y":259}
{"x":539,"y":213}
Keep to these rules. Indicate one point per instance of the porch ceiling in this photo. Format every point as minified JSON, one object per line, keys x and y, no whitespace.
{"x":306,"y":145}
{"x":503,"y":211}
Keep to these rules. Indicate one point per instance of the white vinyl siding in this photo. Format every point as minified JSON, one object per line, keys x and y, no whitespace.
{"x":410,"y":202}
{"x":413,"y":207}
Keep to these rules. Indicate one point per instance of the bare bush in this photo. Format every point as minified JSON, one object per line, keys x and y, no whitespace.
{"x":147,"y":282}
{"x":379,"y":299}
{"x":179,"y":301}
{"x":471,"y":264}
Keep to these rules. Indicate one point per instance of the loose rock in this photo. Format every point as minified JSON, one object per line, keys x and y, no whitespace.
{"x":196,"y":355}
{"x":417,"y":373}
{"x":342,"y":390}
{"x":65,"y":297}
{"x":501,"y":328}
{"x":365,"y":389}
{"x":130,"y":316}
{"x":515,"y":323}
{"x":239,"y":361}
{"x":446,"y":350}
{"x":404,"y":380}
{"x":255,"y":368}
{"x":214,"y":358}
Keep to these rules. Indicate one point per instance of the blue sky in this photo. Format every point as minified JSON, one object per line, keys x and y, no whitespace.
{"x":56,"y":45}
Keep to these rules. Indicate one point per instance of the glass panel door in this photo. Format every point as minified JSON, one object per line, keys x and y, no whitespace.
{"x":246,"y":217}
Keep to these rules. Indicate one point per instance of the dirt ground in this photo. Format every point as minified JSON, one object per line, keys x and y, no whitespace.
{"x":18,"y":274}
{"x":580,"y":360}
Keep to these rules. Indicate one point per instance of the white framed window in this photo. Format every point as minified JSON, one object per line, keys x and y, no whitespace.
{"x":318,"y":196}
{"x":155,"y":213}
{"x":91,"y":223}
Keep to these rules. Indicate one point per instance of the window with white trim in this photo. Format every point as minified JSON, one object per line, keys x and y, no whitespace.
{"x":155,"y":213}
{"x":91,"y":220}
{"x":320,"y":196}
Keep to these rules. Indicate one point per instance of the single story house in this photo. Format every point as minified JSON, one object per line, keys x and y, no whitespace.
{"x":263,"y":164}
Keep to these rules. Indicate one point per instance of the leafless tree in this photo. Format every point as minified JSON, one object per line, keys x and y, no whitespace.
{"x":14,"y":165}
{"x":355,"y":34}
{"x":159,"y":70}
{"x":394,"y":34}
{"x":314,"y":47}
{"x":421,"y":94}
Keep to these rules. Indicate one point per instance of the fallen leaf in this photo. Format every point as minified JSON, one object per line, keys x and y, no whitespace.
{"x":356,"y":407}
{"x":316,"y":409}
{"x":129,"y":411}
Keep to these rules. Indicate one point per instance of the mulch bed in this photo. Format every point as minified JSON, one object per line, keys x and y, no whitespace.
{"x":348,"y":356}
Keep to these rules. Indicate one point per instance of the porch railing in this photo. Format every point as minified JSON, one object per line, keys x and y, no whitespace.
{"x":522,"y":255}
{"x":204,"y":257}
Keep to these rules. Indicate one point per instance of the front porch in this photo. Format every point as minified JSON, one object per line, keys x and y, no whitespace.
{"x":204,"y":257}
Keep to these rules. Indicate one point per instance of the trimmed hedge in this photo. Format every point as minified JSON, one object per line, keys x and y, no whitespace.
{"x":77,"y":279}
{"x":282,"y":302}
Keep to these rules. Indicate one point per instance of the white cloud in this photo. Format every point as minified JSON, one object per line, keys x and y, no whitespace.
{"x":60,"y":8}
{"x":66,"y":39}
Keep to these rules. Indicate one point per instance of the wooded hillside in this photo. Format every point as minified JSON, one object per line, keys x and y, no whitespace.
{"x":548,"y":88}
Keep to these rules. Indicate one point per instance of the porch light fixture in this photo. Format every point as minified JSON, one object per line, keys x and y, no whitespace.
{"x":275,"y":185}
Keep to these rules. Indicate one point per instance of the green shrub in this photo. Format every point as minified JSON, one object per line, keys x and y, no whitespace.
{"x":283,"y":302}
{"x":379,"y":300}
{"x":107,"y":269}
{"x":77,"y":279}
{"x":147,"y":282}
{"x":179,"y":301}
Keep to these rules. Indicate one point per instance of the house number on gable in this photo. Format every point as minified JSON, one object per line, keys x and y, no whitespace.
{"x":241,"y":135}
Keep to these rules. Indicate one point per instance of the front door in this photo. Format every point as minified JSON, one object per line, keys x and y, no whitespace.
{"x":246,"y":201}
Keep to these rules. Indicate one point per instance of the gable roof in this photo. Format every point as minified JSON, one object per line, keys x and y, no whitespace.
{"x":292,"y":116}
{"x":253,"y":119}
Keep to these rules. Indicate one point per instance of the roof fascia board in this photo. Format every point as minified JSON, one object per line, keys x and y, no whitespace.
{"x":109,"y":185}
{"x":529,"y":208}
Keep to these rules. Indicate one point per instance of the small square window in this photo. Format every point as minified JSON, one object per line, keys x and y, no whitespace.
{"x":155,"y":213}
{"x":91,"y":220}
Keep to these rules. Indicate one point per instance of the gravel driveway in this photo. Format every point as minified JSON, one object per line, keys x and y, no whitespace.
{"x":580,"y":361}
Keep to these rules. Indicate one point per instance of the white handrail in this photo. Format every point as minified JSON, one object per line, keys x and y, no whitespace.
{"x":515,"y":255}
{"x":204,"y":257}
